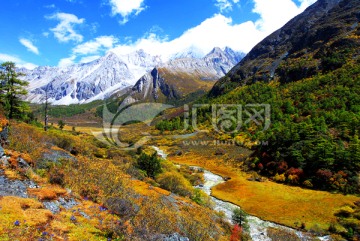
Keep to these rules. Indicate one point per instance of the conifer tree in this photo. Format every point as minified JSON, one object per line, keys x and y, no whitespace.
{"x":11,"y":90}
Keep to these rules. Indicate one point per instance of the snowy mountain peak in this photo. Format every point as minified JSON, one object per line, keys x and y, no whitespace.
{"x":236,"y":56}
{"x":191,"y":52}
{"x":228,"y":50}
{"x":169,"y":81}
{"x":216,"y":50}
{"x":100,"y":78}
{"x":110,"y":55}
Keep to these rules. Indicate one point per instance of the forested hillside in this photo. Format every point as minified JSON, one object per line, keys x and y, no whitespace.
{"x":314,"y":94}
{"x":313,"y":138}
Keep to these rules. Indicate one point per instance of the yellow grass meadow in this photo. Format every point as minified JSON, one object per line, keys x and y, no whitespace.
{"x":287,"y":205}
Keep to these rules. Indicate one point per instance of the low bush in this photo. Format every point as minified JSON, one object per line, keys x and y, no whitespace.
{"x":175,"y":182}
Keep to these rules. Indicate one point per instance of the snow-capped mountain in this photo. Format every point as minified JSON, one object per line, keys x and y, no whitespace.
{"x":212,"y":67}
{"x":99,"y":79}
{"x":181,"y":76}
{"x":81,"y":83}
{"x":191,"y":52}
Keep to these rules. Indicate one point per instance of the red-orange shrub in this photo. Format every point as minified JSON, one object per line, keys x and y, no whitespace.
{"x":236,"y":233}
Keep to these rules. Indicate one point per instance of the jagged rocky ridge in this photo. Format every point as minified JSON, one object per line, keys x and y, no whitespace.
{"x":183,"y":75}
{"x":99,"y":79}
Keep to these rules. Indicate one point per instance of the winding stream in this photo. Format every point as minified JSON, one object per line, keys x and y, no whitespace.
{"x":257,"y":226}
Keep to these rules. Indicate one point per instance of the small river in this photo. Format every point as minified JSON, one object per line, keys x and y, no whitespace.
{"x":257,"y":227}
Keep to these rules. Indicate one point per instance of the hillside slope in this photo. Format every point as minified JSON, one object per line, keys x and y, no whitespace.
{"x":60,"y":185}
{"x":78,"y":83}
{"x":313,"y":42}
{"x":314,"y":96}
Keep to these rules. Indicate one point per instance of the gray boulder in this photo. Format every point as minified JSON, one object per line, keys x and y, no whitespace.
{"x":2,"y":151}
{"x":22,"y":163}
{"x":4,"y":160}
{"x":176,"y":237}
{"x":54,"y":206}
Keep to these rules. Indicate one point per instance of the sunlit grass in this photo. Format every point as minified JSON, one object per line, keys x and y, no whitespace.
{"x":287,"y":205}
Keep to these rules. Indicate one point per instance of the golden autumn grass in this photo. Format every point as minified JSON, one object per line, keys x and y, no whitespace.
{"x":287,"y":205}
{"x":33,"y":221}
{"x":16,"y":208}
{"x":50,"y":192}
{"x":98,"y":178}
{"x":3,"y":120}
{"x":271,"y":201}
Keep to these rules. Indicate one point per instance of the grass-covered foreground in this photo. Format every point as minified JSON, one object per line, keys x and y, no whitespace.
{"x":292,"y":206}
{"x":86,"y":190}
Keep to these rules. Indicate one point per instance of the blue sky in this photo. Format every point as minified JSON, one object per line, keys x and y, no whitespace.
{"x":63,"y":32}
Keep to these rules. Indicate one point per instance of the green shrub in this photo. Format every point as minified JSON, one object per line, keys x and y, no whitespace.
{"x":239,"y":216}
{"x":150,"y":164}
{"x":201,"y":198}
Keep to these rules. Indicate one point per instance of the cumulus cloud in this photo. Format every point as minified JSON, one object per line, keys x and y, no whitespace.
{"x":29,"y":45}
{"x":89,"y":50}
{"x":19,"y":62}
{"x":274,"y":14}
{"x":216,"y":31}
{"x":240,"y":37}
{"x":225,"y":5}
{"x":67,"y":61}
{"x":96,"y":45}
{"x":65,"y":30}
{"x":88,"y":59}
{"x":126,"y":8}
{"x":221,"y":31}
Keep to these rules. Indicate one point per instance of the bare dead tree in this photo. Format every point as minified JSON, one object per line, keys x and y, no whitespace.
{"x":46,"y":118}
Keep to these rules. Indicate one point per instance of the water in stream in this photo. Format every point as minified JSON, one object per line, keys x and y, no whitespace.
{"x":257,"y":227}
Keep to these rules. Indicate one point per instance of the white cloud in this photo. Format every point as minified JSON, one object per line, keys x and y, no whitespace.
{"x":64,"y":31}
{"x":221,"y":31}
{"x":90,"y":50}
{"x":19,"y":62}
{"x":306,"y":3}
{"x":67,"y":61}
{"x":274,"y":14}
{"x":29,"y":45}
{"x":126,"y":8}
{"x":88,"y":59}
{"x":95,"y":46}
{"x":240,"y":37}
{"x":216,"y":31}
{"x":50,"y":6}
{"x":225,"y":5}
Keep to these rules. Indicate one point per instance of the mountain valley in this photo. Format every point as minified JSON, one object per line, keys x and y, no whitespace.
{"x":209,"y":147}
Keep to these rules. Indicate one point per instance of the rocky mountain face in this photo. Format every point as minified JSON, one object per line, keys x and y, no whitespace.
{"x":81,"y":83}
{"x":99,"y":79}
{"x":184,"y":75}
{"x":312,"y":42}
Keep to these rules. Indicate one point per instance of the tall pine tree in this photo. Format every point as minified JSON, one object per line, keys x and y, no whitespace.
{"x":11,"y":90}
